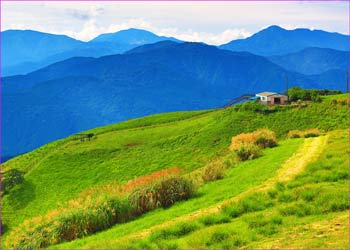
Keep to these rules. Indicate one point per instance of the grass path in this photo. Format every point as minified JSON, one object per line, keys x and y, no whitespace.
{"x":309,"y":151}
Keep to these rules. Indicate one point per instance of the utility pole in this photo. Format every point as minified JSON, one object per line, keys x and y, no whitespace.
{"x":287,"y":88}
{"x":347,"y":81}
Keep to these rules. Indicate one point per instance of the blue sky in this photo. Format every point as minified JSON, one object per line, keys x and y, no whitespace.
{"x":209,"y":22}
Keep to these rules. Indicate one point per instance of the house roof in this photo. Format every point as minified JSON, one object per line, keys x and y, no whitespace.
{"x":266,"y":93}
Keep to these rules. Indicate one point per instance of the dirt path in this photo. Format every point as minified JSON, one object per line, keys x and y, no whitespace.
{"x":309,"y":151}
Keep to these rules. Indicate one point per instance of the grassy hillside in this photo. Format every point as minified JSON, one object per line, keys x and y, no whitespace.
{"x":299,"y":202}
{"x":60,"y":171}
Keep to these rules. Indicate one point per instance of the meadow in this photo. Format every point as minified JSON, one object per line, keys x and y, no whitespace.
{"x":63,"y":170}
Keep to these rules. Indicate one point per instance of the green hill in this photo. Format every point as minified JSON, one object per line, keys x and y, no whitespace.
{"x":62,"y":170}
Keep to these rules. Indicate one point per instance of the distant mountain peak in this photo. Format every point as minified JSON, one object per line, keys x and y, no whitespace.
{"x":275,"y":40}
{"x":273,"y":28}
{"x":131,"y":35}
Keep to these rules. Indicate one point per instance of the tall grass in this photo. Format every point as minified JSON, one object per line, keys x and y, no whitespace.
{"x":93,"y":213}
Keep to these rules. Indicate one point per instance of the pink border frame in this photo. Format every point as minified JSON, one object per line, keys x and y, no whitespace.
{"x":348,"y":87}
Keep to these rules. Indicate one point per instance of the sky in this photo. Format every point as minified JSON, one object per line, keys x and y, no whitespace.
{"x":210,"y":22}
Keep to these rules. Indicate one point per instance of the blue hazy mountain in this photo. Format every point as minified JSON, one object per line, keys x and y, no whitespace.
{"x":131,"y":36}
{"x":311,"y":61}
{"x":28,"y":46}
{"x":153,"y":46}
{"x":24,"y":51}
{"x":275,"y":40}
{"x":81,"y":93}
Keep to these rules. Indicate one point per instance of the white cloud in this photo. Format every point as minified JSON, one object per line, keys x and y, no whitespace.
{"x":223,"y":22}
{"x":209,"y":38}
{"x":92,"y":28}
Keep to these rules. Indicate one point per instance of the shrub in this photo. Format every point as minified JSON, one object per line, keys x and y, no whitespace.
{"x":313,"y":132}
{"x":344,"y":101}
{"x":297,"y":93}
{"x":239,"y":140}
{"x":173,"y":189}
{"x":10,"y":179}
{"x":161,"y":194}
{"x":253,"y":106}
{"x":265,"y":138}
{"x":213,"y":171}
{"x":247,"y":145}
{"x":248,"y":151}
{"x":295,"y":134}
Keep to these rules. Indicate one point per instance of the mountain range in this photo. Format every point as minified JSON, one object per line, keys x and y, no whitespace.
{"x":313,"y":60}
{"x":79,"y":93}
{"x":24,"y":51}
{"x":275,"y":40}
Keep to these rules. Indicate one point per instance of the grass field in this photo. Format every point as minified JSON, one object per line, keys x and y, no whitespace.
{"x":60,"y":171}
{"x":307,"y":209}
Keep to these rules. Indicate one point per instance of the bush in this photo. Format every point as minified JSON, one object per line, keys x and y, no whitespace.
{"x":161,"y":194}
{"x":265,"y":138}
{"x":297,"y":93}
{"x":10,"y":179}
{"x":248,"y":151}
{"x":212,"y":172}
{"x":238,"y":140}
{"x":295,"y":134}
{"x":253,"y":106}
{"x":313,"y":132}
{"x":343,"y":101}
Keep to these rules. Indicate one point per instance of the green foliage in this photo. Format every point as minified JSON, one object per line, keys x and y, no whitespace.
{"x":265,"y":138}
{"x":313,"y":132}
{"x":253,"y":106}
{"x":248,"y":151}
{"x":214,"y":171}
{"x":296,"y":93}
{"x":10,"y":179}
{"x":248,"y":146}
{"x":173,"y":189}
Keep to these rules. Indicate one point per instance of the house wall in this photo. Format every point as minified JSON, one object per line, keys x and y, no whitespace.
{"x":270,"y":100}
